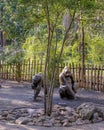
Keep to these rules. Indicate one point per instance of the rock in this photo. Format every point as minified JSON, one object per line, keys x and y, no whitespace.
{"x":100,"y":111}
{"x":57,"y":121}
{"x":60,"y":117}
{"x":71,"y":119}
{"x":57,"y":124}
{"x":69,"y":109}
{"x":62,"y":109}
{"x":31,"y":112}
{"x":22,"y":120}
{"x":11,"y":117}
{"x":41,"y":118}
{"x":55,"y":114}
{"x":23,"y":110}
{"x":75,"y":114}
{"x":66,"y":116}
{"x":86,"y":110}
{"x":86,"y":121}
{"x":30,"y":123}
{"x":17,"y":116}
{"x":52,"y":120}
{"x":56,"y":106}
{"x":66,"y":123}
{"x":5,"y":114}
{"x":35,"y":120}
{"x":63,"y":112}
{"x":65,"y":120}
{"x":39,"y":124}
{"x":47,"y":124}
{"x":2,"y":118}
{"x":96,"y":118}
{"x":79,"y":121}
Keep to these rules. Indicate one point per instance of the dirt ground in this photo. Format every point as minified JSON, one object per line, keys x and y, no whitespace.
{"x":19,"y":95}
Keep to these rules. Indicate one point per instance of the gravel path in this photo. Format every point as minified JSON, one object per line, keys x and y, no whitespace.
{"x":8,"y":126}
{"x":14,"y":95}
{"x":18,"y":95}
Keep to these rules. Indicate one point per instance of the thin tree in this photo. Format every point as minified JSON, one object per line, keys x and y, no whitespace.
{"x":51,"y":28}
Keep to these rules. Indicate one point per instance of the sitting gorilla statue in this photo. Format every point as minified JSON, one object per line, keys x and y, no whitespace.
{"x":67,"y":88}
{"x":37,"y":83}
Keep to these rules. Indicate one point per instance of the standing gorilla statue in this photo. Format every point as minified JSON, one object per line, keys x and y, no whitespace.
{"x":67,"y":88}
{"x":37,"y":84}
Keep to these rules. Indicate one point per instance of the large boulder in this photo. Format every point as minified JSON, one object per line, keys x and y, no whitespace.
{"x":86,"y":110}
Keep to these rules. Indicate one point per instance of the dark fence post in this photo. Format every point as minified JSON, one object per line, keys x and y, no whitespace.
{"x":18,"y":72}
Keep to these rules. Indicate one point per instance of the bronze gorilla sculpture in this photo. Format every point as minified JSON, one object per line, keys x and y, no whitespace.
{"x":37,"y":84}
{"x":66,"y":80}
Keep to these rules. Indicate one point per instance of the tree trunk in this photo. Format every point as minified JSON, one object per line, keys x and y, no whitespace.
{"x":50,"y":96}
{"x":82,"y":50}
{"x":46,"y":70}
{"x":2,"y":38}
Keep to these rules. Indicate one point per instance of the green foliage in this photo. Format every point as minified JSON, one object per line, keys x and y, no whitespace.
{"x":25,"y":23}
{"x":34,"y":48}
{"x":96,"y":51}
{"x":12,"y":54}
